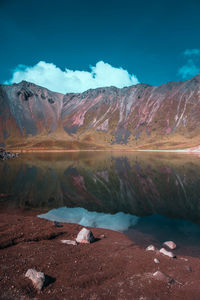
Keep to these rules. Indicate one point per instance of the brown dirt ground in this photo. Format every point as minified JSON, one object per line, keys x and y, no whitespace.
{"x":110,"y":268}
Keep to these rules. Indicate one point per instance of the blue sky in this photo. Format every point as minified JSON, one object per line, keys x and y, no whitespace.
{"x":156,"y":41}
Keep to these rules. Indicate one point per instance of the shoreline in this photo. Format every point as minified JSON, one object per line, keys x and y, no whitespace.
{"x":185,"y":151}
{"x":113,"y":267}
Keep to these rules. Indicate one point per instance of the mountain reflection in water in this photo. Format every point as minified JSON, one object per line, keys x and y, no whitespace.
{"x":141,"y":184}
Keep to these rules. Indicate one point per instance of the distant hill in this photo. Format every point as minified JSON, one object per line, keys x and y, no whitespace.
{"x":135,"y":117}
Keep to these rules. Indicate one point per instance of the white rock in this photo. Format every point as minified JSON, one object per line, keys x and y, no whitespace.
{"x":102,"y":236}
{"x":37,"y":278}
{"x":171,"y":245}
{"x":185,"y":259}
{"x":161,"y":276}
{"x":85,"y":236}
{"x":69,"y":242}
{"x":156,"y":261}
{"x":167,"y":253}
{"x":151,"y":248}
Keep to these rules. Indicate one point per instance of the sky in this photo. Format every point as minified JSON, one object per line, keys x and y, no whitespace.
{"x":73,"y":45}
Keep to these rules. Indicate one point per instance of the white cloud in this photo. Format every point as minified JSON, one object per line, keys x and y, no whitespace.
{"x":191,"y":67}
{"x":191,"y":52}
{"x":67,"y":81}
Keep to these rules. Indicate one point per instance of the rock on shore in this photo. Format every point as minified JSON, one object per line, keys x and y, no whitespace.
{"x":167,"y":253}
{"x":170,"y":244}
{"x":37,"y":278}
{"x":85,"y":236}
{"x":4,"y":155}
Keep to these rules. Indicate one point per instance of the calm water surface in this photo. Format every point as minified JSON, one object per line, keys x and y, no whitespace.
{"x":152,"y":197}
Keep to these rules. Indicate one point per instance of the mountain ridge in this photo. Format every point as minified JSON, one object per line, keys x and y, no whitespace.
{"x":135,"y":117}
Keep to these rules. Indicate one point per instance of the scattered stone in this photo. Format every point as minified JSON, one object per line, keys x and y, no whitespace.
{"x":188,"y":268}
{"x":37,"y":278}
{"x":167,"y":253}
{"x":102,"y":236}
{"x":171,"y":245}
{"x":85,"y":236}
{"x":151,"y":248}
{"x":156,"y":261}
{"x":69,"y":242}
{"x":158,"y":275}
{"x":57,"y":224}
{"x":185,"y":259}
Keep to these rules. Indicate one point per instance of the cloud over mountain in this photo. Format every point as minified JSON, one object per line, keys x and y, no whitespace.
{"x":191,"y":67}
{"x":50,"y":76}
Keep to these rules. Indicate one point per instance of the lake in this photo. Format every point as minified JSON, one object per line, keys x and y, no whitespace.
{"x":152,"y":197}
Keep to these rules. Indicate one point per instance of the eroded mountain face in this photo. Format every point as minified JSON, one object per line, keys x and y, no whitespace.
{"x":141,"y":116}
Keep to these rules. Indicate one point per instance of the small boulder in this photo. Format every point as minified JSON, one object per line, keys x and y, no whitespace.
{"x":167,"y":253}
{"x":85,"y":236}
{"x":37,"y":278}
{"x":188,"y":268}
{"x":158,"y":275}
{"x":185,"y":259}
{"x":151,"y":248}
{"x":102,"y":236}
{"x":69,"y":242}
{"x":171,"y":245}
{"x":156,"y":261}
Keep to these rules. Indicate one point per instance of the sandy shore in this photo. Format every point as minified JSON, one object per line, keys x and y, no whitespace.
{"x":195,"y":150}
{"x":113,"y":267}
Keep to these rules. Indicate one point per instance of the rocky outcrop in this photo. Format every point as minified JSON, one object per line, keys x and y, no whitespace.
{"x":7,"y":155}
{"x":139,"y":116}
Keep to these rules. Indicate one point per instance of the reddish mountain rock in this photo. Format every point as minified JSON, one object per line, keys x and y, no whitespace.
{"x":139,"y":116}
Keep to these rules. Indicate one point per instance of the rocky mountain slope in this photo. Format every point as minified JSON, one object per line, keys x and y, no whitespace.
{"x":140,"y":116}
